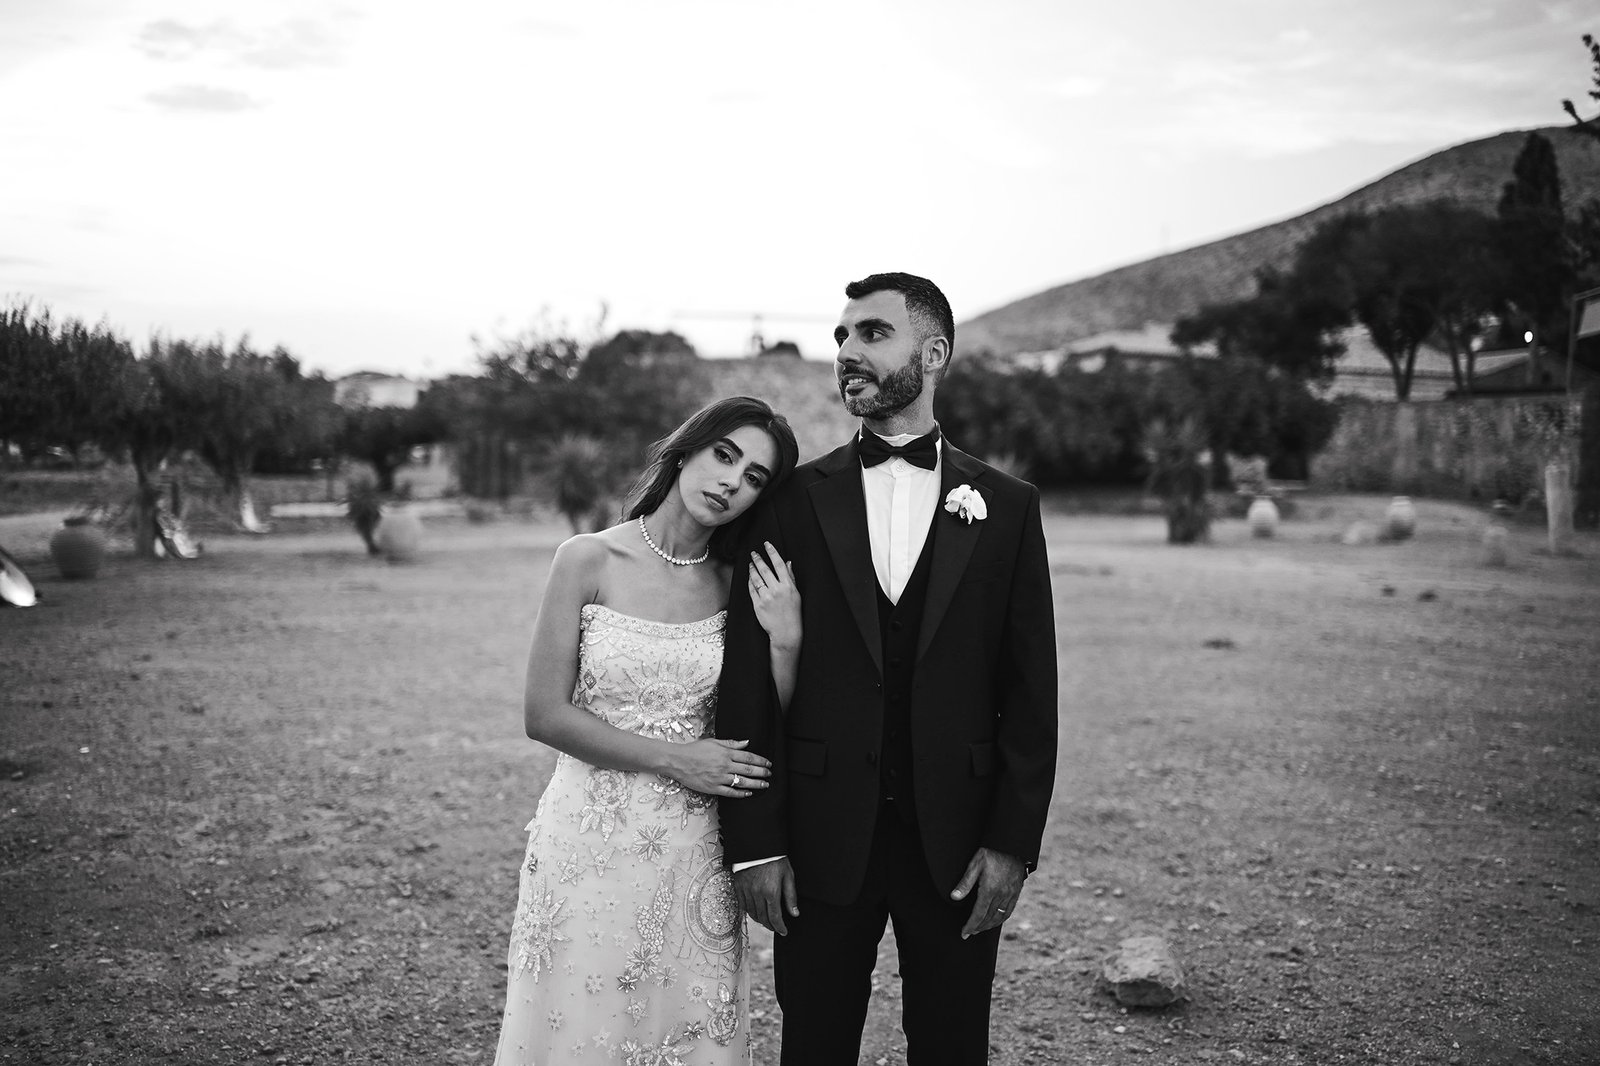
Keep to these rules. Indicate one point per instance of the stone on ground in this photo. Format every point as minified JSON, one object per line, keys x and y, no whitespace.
{"x":1143,"y":972}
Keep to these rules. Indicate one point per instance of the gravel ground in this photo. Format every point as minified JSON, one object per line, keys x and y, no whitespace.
{"x":266,"y":806}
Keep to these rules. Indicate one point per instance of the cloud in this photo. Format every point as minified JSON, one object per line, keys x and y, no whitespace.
{"x":292,"y":44}
{"x":171,"y":39}
{"x":537,"y":27}
{"x":1078,"y":87}
{"x":738,"y":95}
{"x":286,"y":45}
{"x":202,"y":98}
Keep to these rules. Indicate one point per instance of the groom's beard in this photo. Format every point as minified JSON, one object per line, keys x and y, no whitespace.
{"x":893,"y":394}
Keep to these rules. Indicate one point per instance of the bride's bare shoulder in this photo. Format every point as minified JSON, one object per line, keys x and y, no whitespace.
{"x":591,"y":552}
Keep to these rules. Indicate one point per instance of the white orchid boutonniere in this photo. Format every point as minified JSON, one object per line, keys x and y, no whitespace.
{"x":965,"y":503}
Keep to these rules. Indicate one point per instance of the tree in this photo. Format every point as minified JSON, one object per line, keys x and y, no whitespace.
{"x":1174,"y":449}
{"x":1585,"y":228}
{"x":1242,"y":406}
{"x":92,"y":361}
{"x":524,"y":396}
{"x":1584,"y":232}
{"x":580,"y":481}
{"x":637,"y":386}
{"x":1058,"y":427}
{"x":236,"y":405}
{"x":312,"y":436}
{"x":1590,"y":125}
{"x":545,"y":384}
{"x":1385,"y":268}
{"x":1288,"y":323}
{"x":144,"y":427}
{"x":385,"y":436}
{"x":1409,"y":274}
{"x":1396,"y":293}
{"x":1459,"y":244}
{"x":1532,"y":239}
{"x":57,"y":382}
{"x":31,"y":389}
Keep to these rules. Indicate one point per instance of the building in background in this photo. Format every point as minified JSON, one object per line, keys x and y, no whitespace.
{"x":368,"y":388}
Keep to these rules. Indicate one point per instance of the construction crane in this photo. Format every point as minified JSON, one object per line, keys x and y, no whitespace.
{"x":757,"y":340}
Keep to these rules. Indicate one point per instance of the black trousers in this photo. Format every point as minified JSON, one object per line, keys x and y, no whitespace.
{"x":823,"y":967}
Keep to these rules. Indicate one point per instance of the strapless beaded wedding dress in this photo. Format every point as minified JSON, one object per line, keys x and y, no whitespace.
{"x":628,"y":943}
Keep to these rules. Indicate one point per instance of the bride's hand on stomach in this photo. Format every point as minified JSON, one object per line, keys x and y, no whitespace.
{"x":718,"y":768}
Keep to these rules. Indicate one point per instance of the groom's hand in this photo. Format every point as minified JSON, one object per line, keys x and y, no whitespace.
{"x":767,"y":893}
{"x":998,"y":878}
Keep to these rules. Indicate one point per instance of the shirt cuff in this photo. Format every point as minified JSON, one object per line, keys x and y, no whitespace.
{"x":756,"y":862}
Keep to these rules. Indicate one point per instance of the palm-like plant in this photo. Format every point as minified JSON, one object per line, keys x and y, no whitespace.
{"x":579,"y":476}
{"x":1174,"y":450}
{"x":363,"y":505}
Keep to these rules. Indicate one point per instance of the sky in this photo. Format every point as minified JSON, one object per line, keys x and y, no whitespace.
{"x":388,"y":185}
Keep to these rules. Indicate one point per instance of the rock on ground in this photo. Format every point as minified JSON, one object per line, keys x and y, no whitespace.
{"x":1143,"y":972}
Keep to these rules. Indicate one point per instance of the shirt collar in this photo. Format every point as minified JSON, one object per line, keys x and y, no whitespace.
{"x":902,"y":438}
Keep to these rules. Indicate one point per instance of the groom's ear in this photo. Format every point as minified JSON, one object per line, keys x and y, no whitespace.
{"x":935,"y":354}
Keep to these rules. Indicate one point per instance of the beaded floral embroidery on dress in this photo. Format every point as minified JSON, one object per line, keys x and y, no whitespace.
{"x":627,"y":945}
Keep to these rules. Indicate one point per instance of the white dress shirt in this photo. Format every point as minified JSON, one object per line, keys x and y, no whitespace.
{"x":902,"y":499}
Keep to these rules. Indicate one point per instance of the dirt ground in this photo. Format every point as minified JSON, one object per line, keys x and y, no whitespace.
{"x":267,"y":806}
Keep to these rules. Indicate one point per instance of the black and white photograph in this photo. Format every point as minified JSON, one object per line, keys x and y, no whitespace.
{"x":839,"y":534}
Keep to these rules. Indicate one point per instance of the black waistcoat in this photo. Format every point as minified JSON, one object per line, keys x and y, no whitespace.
{"x":898,"y":628}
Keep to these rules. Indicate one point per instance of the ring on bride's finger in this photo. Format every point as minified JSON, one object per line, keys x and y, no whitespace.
{"x":735,"y":780}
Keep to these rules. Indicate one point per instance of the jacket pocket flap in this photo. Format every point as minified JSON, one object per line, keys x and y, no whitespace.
{"x":982,"y":759}
{"x":806,"y":756}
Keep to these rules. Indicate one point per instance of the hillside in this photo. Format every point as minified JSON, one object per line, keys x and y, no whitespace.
{"x":1164,"y":289}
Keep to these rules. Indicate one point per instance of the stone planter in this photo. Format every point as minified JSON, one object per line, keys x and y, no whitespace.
{"x":1400,"y":520}
{"x":399,"y":534}
{"x":1262,"y":517}
{"x":78,"y":549}
{"x":1558,"y":501}
{"x":1495,"y":541}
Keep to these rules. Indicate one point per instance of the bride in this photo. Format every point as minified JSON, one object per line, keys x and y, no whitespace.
{"x":628,"y":944}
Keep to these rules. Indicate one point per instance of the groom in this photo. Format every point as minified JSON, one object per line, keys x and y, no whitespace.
{"x":913,"y":766}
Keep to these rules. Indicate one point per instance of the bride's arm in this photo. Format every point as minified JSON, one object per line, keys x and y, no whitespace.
{"x":777,"y":606}
{"x":550,"y":717}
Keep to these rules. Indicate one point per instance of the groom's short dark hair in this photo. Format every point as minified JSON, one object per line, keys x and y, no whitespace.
{"x":929,"y":310}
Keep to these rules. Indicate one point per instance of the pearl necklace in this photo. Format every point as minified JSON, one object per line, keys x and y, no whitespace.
{"x":673,"y":559}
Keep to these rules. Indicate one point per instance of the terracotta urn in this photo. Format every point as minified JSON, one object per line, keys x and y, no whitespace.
{"x":399,"y":534}
{"x":78,"y":548}
{"x":1262,"y":517}
{"x":1400,"y":520}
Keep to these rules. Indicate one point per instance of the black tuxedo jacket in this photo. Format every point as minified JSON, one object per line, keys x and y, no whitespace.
{"x":983,"y":705}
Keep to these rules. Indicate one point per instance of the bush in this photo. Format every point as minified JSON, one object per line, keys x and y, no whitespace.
{"x":577,"y":469}
{"x":364,"y":508}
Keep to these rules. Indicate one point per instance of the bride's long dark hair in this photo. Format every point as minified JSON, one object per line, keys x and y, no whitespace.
{"x":704,"y":428}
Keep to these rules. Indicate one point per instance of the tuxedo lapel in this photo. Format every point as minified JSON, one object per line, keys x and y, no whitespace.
{"x":841,"y":508}
{"x":952,"y":547}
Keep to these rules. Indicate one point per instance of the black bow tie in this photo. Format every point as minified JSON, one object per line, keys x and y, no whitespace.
{"x":922,"y":451}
